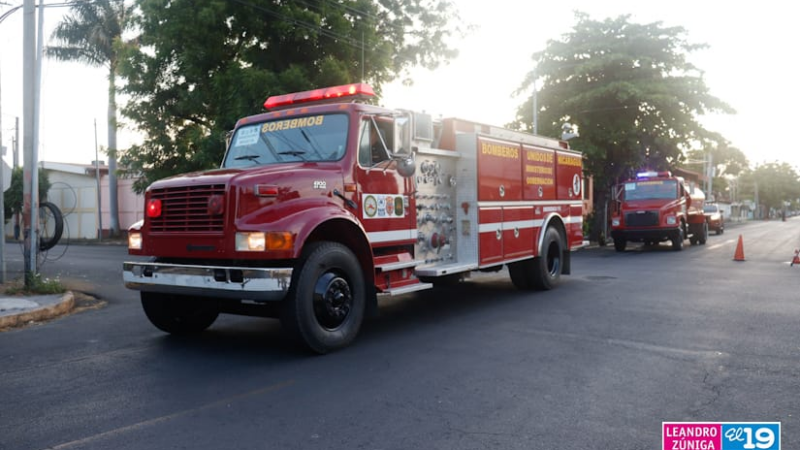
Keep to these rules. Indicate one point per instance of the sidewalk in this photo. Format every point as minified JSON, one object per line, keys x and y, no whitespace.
{"x":17,"y":311}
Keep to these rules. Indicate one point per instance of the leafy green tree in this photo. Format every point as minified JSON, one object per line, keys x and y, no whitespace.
{"x":727,"y":161}
{"x":200,"y":66}
{"x":92,"y":34}
{"x":631,"y":90}
{"x":13,"y":197}
{"x":775,"y":183}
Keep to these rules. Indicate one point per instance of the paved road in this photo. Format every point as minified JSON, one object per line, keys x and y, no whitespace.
{"x":628,"y":341}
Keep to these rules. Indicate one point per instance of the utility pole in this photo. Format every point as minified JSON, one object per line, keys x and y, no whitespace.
{"x":2,"y":200}
{"x":97,"y":178}
{"x":16,"y":142}
{"x":30,"y":179}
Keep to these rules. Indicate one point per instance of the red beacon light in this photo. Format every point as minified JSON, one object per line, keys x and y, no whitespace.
{"x":357,"y":91}
{"x":154,"y":208}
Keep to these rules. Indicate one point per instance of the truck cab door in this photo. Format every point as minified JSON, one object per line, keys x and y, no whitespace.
{"x":386,"y":203}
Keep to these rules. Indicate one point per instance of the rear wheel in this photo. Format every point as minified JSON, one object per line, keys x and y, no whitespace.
{"x":521,"y":273}
{"x":620,"y":244}
{"x":177,"y":314}
{"x":703,"y":234}
{"x":325,"y":307}
{"x":547,"y":266}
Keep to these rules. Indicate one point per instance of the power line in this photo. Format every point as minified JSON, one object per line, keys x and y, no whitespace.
{"x":322,"y":31}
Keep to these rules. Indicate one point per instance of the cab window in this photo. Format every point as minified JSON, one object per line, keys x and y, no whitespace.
{"x":375,"y":141}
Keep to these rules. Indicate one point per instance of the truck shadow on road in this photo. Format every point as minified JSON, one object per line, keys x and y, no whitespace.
{"x":243,"y":338}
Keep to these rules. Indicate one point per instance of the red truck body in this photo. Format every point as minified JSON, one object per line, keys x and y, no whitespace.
{"x":324,"y":205}
{"x":656,"y":207}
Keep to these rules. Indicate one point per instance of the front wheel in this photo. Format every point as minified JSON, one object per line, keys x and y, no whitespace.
{"x":677,"y":240}
{"x":177,"y":314}
{"x":325,"y":306}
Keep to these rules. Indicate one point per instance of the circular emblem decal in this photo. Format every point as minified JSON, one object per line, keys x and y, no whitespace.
{"x":576,"y":184}
{"x":389,"y":206}
{"x":370,"y":206}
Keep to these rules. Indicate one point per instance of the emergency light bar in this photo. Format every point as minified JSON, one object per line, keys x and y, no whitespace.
{"x":357,"y":91}
{"x":652,"y":174}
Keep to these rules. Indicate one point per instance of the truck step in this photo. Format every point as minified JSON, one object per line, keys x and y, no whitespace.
{"x":398,"y":261}
{"x":406,"y":289}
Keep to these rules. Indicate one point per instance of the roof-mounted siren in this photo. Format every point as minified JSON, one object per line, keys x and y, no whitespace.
{"x":334,"y":94}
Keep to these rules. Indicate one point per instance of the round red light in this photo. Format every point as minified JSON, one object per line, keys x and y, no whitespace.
{"x":154,"y":208}
{"x":215,"y":205}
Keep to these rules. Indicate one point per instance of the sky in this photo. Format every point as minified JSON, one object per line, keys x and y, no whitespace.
{"x":749,"y":64}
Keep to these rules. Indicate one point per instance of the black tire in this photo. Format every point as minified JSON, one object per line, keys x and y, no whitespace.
{"x":620,"y":244}
{"x":703,"y":235}
{"x":547,"y":266}
{"x":49,"y":213}
{"x":677,"y":240}
{"x":177,"y":314}
{"x":521,"y":274}
{"x":325,"y":306}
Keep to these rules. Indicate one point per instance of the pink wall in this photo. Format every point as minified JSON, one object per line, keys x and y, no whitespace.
{"x":131,"y":205}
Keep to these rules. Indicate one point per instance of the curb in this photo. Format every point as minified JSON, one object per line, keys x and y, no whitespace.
{"x":63,"y":306}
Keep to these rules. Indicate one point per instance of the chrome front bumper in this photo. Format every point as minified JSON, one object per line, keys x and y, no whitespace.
{"x":208,"y":281}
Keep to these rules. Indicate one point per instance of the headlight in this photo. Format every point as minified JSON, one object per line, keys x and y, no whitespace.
{"x":615,"y":222}
{"x":250,"y":242}
{"x":134,"y":241}
{"x":258,"y":241}
{"x":671,"y":220}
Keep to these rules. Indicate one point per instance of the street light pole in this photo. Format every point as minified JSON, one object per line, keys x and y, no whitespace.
{"x":535,"y":115}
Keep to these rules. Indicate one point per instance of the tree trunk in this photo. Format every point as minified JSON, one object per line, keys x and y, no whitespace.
{"x":113,"y":197}
{"x":598,"y":231}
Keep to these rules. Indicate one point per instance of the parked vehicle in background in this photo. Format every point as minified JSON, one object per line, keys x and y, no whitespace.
{"x":714,"y":218}
{"x":656,"y":207}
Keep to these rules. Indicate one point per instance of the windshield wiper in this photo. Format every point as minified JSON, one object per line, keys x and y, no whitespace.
{"x":247,"y":157}
{"x":298,"y":153}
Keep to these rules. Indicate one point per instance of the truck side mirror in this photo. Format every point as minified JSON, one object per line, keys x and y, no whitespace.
{"x":406,"y":164}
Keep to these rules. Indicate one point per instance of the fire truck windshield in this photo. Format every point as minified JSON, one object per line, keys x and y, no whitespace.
{"x":651,"y":189}
{"x":321,"y":137}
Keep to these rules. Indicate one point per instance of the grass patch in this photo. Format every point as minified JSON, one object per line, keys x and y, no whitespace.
{"x":36,"y":286}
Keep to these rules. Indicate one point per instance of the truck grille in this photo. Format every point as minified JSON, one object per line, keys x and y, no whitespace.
{"x":186,"y":209}
{"x":642,"y":219}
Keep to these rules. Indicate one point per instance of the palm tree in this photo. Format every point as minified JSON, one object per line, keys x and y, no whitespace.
{"x":91,"y":34}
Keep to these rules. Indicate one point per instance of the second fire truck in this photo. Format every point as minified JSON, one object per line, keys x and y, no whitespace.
{"x":324,"y":204}
{"x":656,"y":207}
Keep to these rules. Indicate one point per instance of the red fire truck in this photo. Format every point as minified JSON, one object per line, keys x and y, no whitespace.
{"x":656,"y":207}
{"x":324,"y":204}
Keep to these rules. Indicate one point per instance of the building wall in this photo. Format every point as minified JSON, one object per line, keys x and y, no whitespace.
{"x":131,"y":205}
{"x":75,"y":194}
{"x":76,"y":197}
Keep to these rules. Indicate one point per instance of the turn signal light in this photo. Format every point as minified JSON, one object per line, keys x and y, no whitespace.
{"x":154,"y":208}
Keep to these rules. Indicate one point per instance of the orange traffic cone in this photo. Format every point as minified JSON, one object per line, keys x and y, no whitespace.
{"x":739,"y":255}
{"x":796,"y":259}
